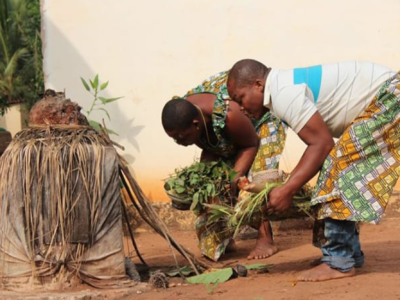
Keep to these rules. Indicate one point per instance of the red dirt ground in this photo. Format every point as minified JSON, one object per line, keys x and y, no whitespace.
{"x":379,"y":278}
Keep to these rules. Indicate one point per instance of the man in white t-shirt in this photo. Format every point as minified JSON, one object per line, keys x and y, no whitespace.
{"x":357,"y":102}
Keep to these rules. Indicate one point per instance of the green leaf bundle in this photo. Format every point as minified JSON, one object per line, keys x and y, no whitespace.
{"x":199,"y":183}
{"x":250,"y":208}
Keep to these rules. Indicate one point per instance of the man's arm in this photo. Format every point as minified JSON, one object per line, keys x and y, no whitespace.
{"x":319,"y":142}
{"x":243,"y":136}
{"x":207,"y":156}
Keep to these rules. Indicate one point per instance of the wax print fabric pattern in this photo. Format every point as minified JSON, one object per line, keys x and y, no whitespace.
{"x":214,"y":238}
{"x":271,"y":130}
{"x":358,"y":177}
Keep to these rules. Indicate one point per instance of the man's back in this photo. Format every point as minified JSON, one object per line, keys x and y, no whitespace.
{"x":339,"y":91}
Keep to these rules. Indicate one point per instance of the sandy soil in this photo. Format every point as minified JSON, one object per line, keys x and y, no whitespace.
{"x":379,"y":278}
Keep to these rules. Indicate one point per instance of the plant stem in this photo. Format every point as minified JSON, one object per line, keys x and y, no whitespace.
{"x":93,"y":103}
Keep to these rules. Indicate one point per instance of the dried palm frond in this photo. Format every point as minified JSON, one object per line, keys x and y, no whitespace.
{"x":51,"y":193}
{"x":64,"y":163}
{"x":149,"y":215}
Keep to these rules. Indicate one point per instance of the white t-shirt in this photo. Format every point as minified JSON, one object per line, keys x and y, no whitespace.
{"x":339,"y":91}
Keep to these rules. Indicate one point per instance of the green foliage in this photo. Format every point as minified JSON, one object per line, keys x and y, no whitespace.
{"x":201,"y":182}
{"x":245,"y":209}
{"x":21,"y":70}
{"x":259,"y":267}
{"x":94,"y":89}
{"x":250,"y":207}
{"x":186,"y":271}
{"x":215,"y":277}
{"x":218,"y":212}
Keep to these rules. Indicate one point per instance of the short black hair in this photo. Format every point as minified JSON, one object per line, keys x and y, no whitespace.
{"x":178,"y":114}
{"x":246,"y":71}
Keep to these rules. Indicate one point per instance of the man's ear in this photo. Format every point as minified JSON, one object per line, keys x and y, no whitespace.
{"x":196,"y":123}
{"x":259,"y":84}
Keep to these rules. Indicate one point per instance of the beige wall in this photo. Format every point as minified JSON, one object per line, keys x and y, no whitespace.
{"x":152,"y":50}
{"x":12,"y":120}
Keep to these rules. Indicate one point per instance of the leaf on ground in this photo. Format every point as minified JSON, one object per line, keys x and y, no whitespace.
{"x":258,"y":267}
{"x":186,"y":271}
{"x":214,"y":277}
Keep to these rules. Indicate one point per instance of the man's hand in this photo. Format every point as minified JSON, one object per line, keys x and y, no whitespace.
{"x":245,"y":185}
{"x":254,"y":187}
{"x":279,"y":199}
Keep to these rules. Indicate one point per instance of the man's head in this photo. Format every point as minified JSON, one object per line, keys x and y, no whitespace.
{"x":180,"y":119}
{"x":246,"y":84}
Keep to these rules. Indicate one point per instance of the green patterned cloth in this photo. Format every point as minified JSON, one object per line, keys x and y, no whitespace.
{"x":215,"y":84}
{"x":213,"y":238}
{"x":358,"y":177}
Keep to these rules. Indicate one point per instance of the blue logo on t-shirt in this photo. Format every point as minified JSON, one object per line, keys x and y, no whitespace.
{"x":310,"y":76}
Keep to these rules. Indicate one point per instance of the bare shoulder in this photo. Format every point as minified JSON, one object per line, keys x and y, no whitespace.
{"x":203,"y":100}
{"x":234,"y":111}
{"x":239,"y":127}
{"x":201,"y":97}
{"x":234,"y":106}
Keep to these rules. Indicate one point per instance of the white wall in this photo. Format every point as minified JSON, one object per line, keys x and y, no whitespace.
{"x":152,"y":50}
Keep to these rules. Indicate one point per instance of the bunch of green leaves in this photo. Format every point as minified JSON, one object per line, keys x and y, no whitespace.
{"x":246,"y":208}
{"x":201,"y":182}
{"x":218,"y":212}
{"x":251,"y":207}
{"x":21,"y":70}
{"x":95,"y":88}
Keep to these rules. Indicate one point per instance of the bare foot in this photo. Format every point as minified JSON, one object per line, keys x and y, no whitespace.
{"x":263,"y":249}
{"x":323,"y":272}
{"x":316,"y":262}
{"x":265,"y":246}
